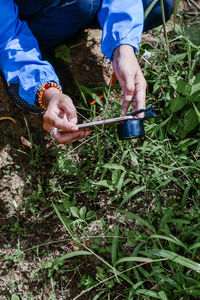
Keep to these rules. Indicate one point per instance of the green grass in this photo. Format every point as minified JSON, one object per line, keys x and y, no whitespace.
{"x":121,"y":218}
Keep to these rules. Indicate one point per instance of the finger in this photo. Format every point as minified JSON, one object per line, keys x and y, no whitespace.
{"x":79,"y":137}
{"x":128,"y":88}
{"x":51,"y":119}
{"x":72,"y":141}
{"x":53,"y":132}
{"x":140,"y":94}
{"x":70,"y":110}
{"x":64,"y":138}
{"x":140,"y":101}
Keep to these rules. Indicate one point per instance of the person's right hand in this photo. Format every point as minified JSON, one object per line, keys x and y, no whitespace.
{"x":61,"y":114}
{"x":130,"y":78}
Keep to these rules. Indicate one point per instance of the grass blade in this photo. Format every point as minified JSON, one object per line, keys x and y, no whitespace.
{"x":181,"y":260}
{"x":149,"y":8}
{"x":139,"y":219}
{"x":184,"y":198}
{"x":197,"y":112}
{"x":133,"y":259}
{"x":72,"y":254}
{"x":131,"y":194}
{"x":196,"y":245}
{"x":145,"y":292}
{"x":169,"y":239}
{"x":67,"y":226}
{"x":115,"y":245}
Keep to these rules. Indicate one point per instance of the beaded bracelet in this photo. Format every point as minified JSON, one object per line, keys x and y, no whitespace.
{"x":42,"y":89}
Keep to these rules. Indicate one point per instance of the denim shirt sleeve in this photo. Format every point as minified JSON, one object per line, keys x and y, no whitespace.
{"x":122,"y":24}
{"x":20,"y":58}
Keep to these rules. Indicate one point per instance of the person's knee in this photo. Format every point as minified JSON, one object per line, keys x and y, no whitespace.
{"x":169,"y":8}
{"x":61,"y":20}
{"x":89,"y":7}
{"x":154,"y":18}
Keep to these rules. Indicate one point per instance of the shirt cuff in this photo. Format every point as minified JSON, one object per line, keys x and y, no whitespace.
{"x":108,"y":50}
{"x":43,"y":81}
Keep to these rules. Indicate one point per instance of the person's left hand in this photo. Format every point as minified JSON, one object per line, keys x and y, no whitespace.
{"x":61,"y":114}
{"x":130,"y":78}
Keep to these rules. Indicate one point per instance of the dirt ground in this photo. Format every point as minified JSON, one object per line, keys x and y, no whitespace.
{"x":90,"y":68}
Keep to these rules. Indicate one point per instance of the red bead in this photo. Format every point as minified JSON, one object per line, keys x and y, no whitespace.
{"x":41,"y":91}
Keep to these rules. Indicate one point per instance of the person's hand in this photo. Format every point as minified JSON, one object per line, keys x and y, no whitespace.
{"x":61,"y":114}
{"x":130,"y":78}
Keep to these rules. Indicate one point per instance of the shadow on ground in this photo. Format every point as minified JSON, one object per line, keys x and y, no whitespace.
{"x":86,"y":65}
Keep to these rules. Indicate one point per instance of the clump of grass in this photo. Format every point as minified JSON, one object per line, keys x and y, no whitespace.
{"x":151,"y":188}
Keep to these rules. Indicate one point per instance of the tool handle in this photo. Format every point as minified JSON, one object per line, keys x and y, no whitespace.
{"x":104,"y":122}
{"x":85,"y":126}
{"x":132,"y":116}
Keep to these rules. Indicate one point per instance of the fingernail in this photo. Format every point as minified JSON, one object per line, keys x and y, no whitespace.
{"x":128,"y":98}
{"x":74,"y":127}
{"x":123,"y":112}
{"x":87,"y":132}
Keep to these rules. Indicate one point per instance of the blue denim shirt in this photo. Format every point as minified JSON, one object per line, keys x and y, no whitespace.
{"x":20,"y":58}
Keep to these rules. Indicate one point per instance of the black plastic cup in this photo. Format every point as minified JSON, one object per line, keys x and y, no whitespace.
{"x":130,"y":129}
